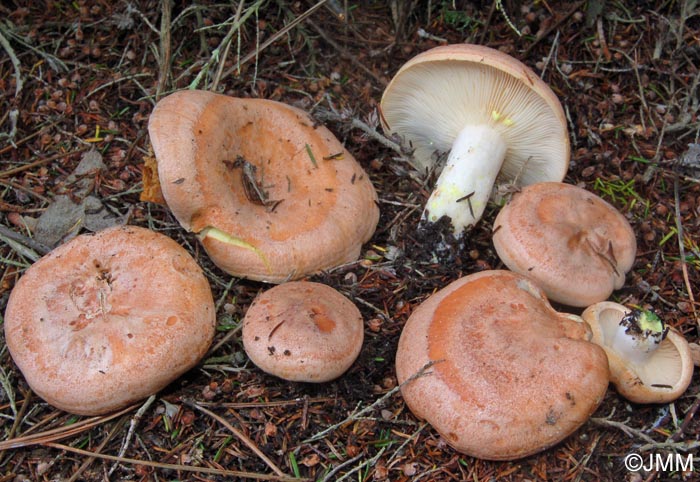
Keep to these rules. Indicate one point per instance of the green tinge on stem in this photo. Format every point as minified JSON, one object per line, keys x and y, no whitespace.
{"x":638,"y":335}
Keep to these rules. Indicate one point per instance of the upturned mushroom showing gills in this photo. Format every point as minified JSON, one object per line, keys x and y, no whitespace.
{"x":108,"y":319}
{"x":649,"y":361}
{"x":499,"y":122}
{"x":303,"y":331}
{"x":271,"y":195}
{"x":495,"y":370}
{"x":575,"y":245}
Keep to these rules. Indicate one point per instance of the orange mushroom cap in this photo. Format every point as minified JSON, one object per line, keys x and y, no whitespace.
{"x":575,"y":245}
{"x":510,"y":375}
{"x":272,"y":195}
{"x":303,"y":331}
{"x":107,"y":319}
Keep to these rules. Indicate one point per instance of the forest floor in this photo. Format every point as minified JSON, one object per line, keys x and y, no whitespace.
{"x":81,"y":76}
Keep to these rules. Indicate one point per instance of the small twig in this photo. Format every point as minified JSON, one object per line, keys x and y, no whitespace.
{"x":344,"y":53}
{"x":165,"y":48}
{"x":132,"y":428}
{"x":19,"y":83}
{"x":632,"y":432}
{"x":230,"y":334}
{"x":10,"y":394}
{"x":371,"y":463}
{"x":374,"y":308}
{"x":28,"y":138}
{"x":131,"y":9}
{"x":215,"y":56}
{"x":339,"y":467}
{"x":115,"y":81}
{"x":487,"y":25}
{"x":601,"y":39}
{"x":183,"y":468}
{"x":46,"y":160}
{"x":681,"y":244}
{"x":361,"y":413}
{"x":76,"y":475}
{"x":549,"y":56}
{"x":235,"y":25}
{"x":581,"y":465}
{"x":241,"y":436}
{"x":275,"y":403}
{"x":54,"y":62}
{"x":273,"y":38}
{"x":408,"y":440}
{"x":60,"y":432}
{"x":675,"y":446}
{"x":329,"y":115}
{"x":689,"y":415}
{"x":40,"y":248}
{"x":553,"y":27}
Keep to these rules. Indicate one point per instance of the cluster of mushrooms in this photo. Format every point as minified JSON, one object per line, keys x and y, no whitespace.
{"x":487,"y":361}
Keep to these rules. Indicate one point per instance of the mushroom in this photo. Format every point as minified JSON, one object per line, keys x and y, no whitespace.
{"x":695,"y":353}
{"x":649,"y":361}
{"x":303,"y":332}
{"x":497,"y":119}
{"x":575,"y":245}
{"x":107,"y":319}
{"x":271,"y":195}
{"x":509,"y":376}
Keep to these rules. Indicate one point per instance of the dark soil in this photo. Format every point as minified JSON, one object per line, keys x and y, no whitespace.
{"x":77,"y":76}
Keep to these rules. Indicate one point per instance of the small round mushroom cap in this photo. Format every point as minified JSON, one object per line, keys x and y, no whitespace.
{"x":509,"y":376}
{"x":657,"y":376}
{"x":498,"y":120}
{"x":108,"y":319}
{"x":272,"y":195}
{"x":303,"y":332}
{"x":576,"y":246}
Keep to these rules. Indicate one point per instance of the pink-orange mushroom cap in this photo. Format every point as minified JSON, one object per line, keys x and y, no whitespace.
{"x":107,"y":319}
{"x":575,"y":245}
{"x":509,"y":377}
{"x":303,"y":331}
{"x":272,"y":195}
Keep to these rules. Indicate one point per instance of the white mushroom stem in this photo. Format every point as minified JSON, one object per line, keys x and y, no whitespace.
{"x":466,"y":181}
{"x":638,"y":335}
